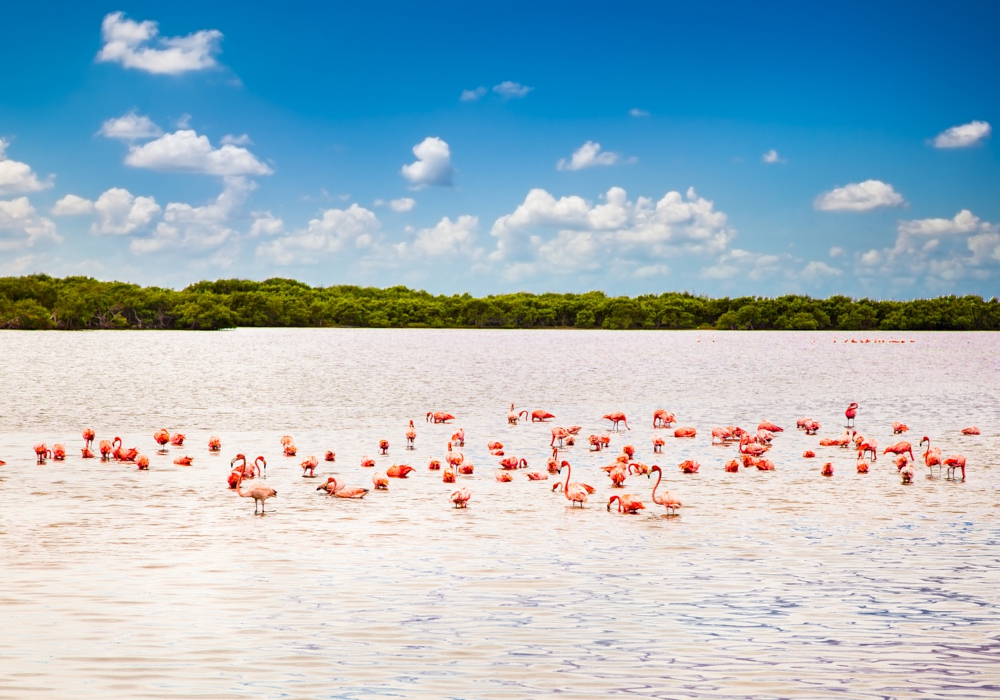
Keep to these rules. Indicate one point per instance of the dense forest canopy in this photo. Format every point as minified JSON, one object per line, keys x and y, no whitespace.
{"x":43,"y":302}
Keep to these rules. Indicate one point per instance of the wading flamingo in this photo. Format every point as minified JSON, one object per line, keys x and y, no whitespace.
{"x":383,"y":447}
{"x":142,"y":462}
{"x":899,"y":428}
{"x":504,"y":477}
{"x":177,"y":439}
{"x":122,"y":455}
{"x":862,"y":466}
{"x":398,"y":471}
{"x":971,"y":430}
{"x":732,"y":466}
{"x":769,"y":426}
{"x":184,"y":461}
{"x":367,"y":461}
{"x":685,"y":433}
{"x":380,"y":481}
{"x":334,"y":487}
{"x":448,"y":475}
{"x":808,"y":454}
{"x":514,"y":416}
{"x":827,"y":469}
{"x":411,"y":436}
{"x":494,"y":445}
{"x":954,"y":462}
{"x":851,"y":413}
{"x":575,"y":493}
{"x":689,"y":466}
{"x":459,"y":437}
{"x":162,"y":437}
{"x":466,"y":468}
{"x":658,"y":444}
{"x":309,"y":465}
{"x":434,"y":465}
{"x":749,"y":448}
{"x":106,"y":449}
{"x":907,"y":474}
{"x":439,"y":417}
{"x":666,"y":499}
{"x":616,"y":418}
{"x":214,"y":444}
{"x":932,"y":457}
{"x":537,"y":476}
{"x":627,"y":503}
{"x":88,"y":437}
{"x":559,"y":434}
{"x":513,"y":463}
{"x":330,"y":456}
{"x":258,"y":492}
{"x":541,"y":416}
{"x":869,"y":446}
{"x":86,"y":453}
{"x":617,"y":474}
{"x":812,"y":427}
{"x":899,"y":448}
{"x":59,"y":452}
{"x":461,"y":498}
{"x":638,"y":468}
{"x":663,"y":419}
{"x":722,"y":434}
{"x":552,"y":465}
{"x":452,"y":457}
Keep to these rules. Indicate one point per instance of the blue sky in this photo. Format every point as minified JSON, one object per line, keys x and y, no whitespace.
{"x":633,"y":148}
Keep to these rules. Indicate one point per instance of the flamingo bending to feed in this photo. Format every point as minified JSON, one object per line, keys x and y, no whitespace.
{"x":616,"y":418}
{"x":537,"y":476}
{"x":162,"y":437}
{"x":769,"y":426}
{"x":638,"y":468}
{"x":106,"y":449}
{"x":971,"y":430}
{"x":494,"y":445}
{"x":801,"y":423}
{"x":907,"y":474}
{"x":439,"y":417}
{"x":748,"y":448}
{"x":142,"y":462}
{"x":88,"y":437}
{"x":723,"y":434}
{"x":309,"y":465}
{"x":595,"y":443}
{"x":663,"y":419}
{"x":627,"y":503}
{"x":434,"y":465}
{"x":666,"y":499}
{"x":764,"y":465}
{"x":513,"y":463}
{"x":504,"y":477}
{"x":367,"y":461}
{"x":459,"y":437}
{"x":87,"y":453}
{"x":628,"y":451}
{"x":559,"y":434}
{"x":466,"y":468}
{"x":214,"y":444}
{"x":932,"y":457}
{"x":514,"y":416}
{"x":383,"y":446}
{"x":658,"y":444}
{"x":732,"y":466}
{"x":862,"y":466}
{"x":380,"y":481}
{"x":575,"y":493}
{"x":448,"y":475}
{"x":812,"y":427}
{"x":290,"y":448}
{"x":177,"y":439}
{"x":954,"y":462}
{"x":851,"y":413}
{"x":899,"y":428}
{"x":121,"y":455}
{"x":869,"y":446}
{"x":452,"y":457}
{"x":398,"y":471}
{"x":764,"y":436}
{"x":333,"y":487}
{"x":330,"y":456}
{"x":553,"y":462}
{"x":900,"y":461}
{"x":184,"y":461}
{"x":685,"y":433}
{"x":541,"y":416}
{"x":689,"y":466}
{"x":899,"y":448}
{"x":617,"y":474}
{"x":59,"y":452}
{"x":461,"y":498}
{"x":808,"y":454}
{"x":411,"y":436}
{"x":827,"y":469}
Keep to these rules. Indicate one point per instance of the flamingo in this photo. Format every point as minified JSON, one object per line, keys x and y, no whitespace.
{"x":829,"y":442}
{"x":685,"y":433}
{"x":399,"y":471}
{"x":309,"y":465}
{"x":722,"y":434}
{"x":748,"y":448}
{"x":453,"y":458}
{"x":459,"y":437}
{"x":383,"y":446}
{"x":900,"y":461}
{"x":59,"y":452}
{"x":333,"y":487}
{"x":827,"y":469}
{"x":367,"y":461}
{"x":121,"y":455}
{"x":764,"y":436}
{"x":513,"y":463}
{"x":638,"y":468}
{"x":869,"y":446}
{"x":380,"y":481}
{"x":411,"y":436}
{"x":616,"y":418}
{"x":732,"y":466}
{"x":932,"y":457}
{"x":808,"y":454}
{"x":617,"y":474}
{"x":142,"y":462}
{"x":954,"y":462}
{"x":184,"y":461}
{"x":162,"y":437}
{"x":595,"y":443}
{"x":494,"y":445}
{"x":627,"y":503}
{"x":214,"y":444}
{"x":514,"y":416}
{"x":439,"y":416}
{"x":971,"y":430}
{"x":769,"y":426}
{"x":658,"y":444}
{"x":899,"y":428}
{"x":541,"y":416}
{"x":105,"y":448}
{"x":260,"y":464}
{"x":258,"y":492}
{"x":862,"y":466}
{"x":88,"y":437}
{"x":907,"y":474}
{"x":537,"y":476}
{"x":244,"y":470}
{"x":689,"y":466}
{"x":461,"y":498}
{"x":628,"y":451}
{"x":504,"y":477}
{"x":666,"y":499}
{"x":663,"y":419}
{"x":466,"y":468}
{"x":177,"y":439}
{"x":811,"y":427}
{"x":575,"y":493}
{"x":87,"y":453}
{"x":559,"y":434}
{"x":330,"y":456}
{"x":553,"y":462}
{"x":448,"y":475}
{"x":434,"y":465}
{"x":851,"y":412}
{"x":764,"y":465}
{"x":801,"y":423}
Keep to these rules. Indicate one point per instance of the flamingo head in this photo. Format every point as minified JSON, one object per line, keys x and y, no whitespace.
{"x":236,"y":459}
{"x":564,"y":463}
{"x":654,"y":468}
{"x":610,"y":500}
{"x":925,"y":439}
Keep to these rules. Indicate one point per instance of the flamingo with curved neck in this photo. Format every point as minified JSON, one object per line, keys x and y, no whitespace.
{"x":666,"y":499}
{"x":575,"y":493}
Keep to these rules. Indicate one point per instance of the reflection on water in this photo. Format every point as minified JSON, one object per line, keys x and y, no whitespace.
{"x":123,"y":584}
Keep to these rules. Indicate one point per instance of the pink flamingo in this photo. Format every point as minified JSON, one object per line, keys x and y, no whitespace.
{"x":367,"y":461}
{"x":537,"y":476}
{"x":513,"y":463}
{"x":184,"y":461}
{"x":971,"y":430}
{"x":333,"y":487}
{"x":411,"y":436}
{"x":177,"y":439}
{"x":106,"y":449}
{"x":459,"y":437}
{"x":906,"y":472}
{"x":461,"y":498}
{"x":504,"y":477}
{"x":383,"y":446}
{"x":932,"y":457}
{"x":214,"y":444}
{"x":827,"y":469}
{"x":627,"y":503}
{"x":685,"y":433}
{"x":162,"y":437}
{"x":666,"y":499}
{"x":88,"y":437}
{"x":514,"y":416}
{"x":330,"y":456}
{"x":559,"y":434}
{"x":769,"y":426}
{"x":309,"y":465}
{"x":575,"y":493}
{"x":59,"y":452}
{"x":399,"y":471}
{"x":899,"y":448}
{"x":616,"y":418}
{"x":258,"y":492}
{"x":899,"y":428}
{"x":689,"y":466}
{"x":658,"y":444}
{"x":541,"y":416}
{"x":439,"y":417}
{"x":808,"y":454}
{"x":380,"y":481}
{"x":722,"y":434}
{"x":663,"y":419}
{"x":851,"y":413}
{"x":954,"y":462}
{"x":142,"y":462}
{"x":732,"y":466}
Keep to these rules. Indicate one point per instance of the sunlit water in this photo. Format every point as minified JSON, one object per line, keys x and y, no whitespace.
{"x":125,"y":584}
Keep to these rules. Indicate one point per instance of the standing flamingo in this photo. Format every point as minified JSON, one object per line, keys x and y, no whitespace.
{"x":899,"y":428}
{"x":559,"y":434}
{"x":459,"y":437}
{"x":330,"y":456}
{"x":658,"y":444}
{"x":162,"y":437}
{"x":575,"y":493}
{"x":88,"y":437}
{"x":309,"y":465}
{"x":380,"y":481}
{"x":954,"y":462}
{"x":666,"y":499}
{"x":627,"y":503}
{"x":899,"y":448}
{"x":461,"y":498}
{"x":106,"y":449}
{"x":514,"y":416}
{"x":932,"y":457}
{"x":214,"y":444}
{"x":383,"y":446}
{"x":411,"y":436}
{"x":177,"y":439}
{"x":971,"y":430}
{"x":541,"y":416}
{"x":827,"y":469}
{"x":663,"y":419}
{"x":616,"y":418}
{"x":851,"y":412}
{"x":439,"y":416}
{"x":258,"y":492}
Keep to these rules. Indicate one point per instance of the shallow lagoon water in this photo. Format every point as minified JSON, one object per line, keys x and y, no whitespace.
{"x":125,"y":584}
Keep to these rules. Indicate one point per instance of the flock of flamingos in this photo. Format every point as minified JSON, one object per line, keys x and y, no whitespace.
{"x":752,"y":447}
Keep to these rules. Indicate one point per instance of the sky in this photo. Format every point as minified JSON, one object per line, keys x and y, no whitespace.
{"x":719,"y":148}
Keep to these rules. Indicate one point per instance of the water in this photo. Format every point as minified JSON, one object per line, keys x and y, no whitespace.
{"x":125,"y":584}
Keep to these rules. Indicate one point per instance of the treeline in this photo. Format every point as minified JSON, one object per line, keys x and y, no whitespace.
{"x":43,"y":302}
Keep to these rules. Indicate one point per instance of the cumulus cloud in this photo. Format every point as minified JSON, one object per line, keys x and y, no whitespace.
{"x":336,"y":230}
{"x":817,"y":269}
{"x":963,"y":222}
{"x":17,"y":177}
{"x":186,"y":151}
{"x":738,"y":263}
{"x":447,"y":237}
{"x":836,"y":251}
{"x":135,"y":45}
{"x":197,"y":228}
{"x":508,"y":89}
{"x":73,"y":205}
{"x":119,"y":213}
{"x":433,"y":164}
{"x":231,"y":140}
{"x":861,"y":196}
{"x":636,"y":112}
{"x":266,"y":224}
{"x":403,"y":204}
{"x":472,"y":95}
{"x":772,"y":157}
{"x":130,"y":127}
{"x":589,"y":155}
{"x":21,"y":226}
{"x":963,"y":136}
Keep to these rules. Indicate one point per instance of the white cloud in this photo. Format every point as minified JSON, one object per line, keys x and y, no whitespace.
{"x":336,"y":230}
{"x":652,"y":271}
{"x":403,"y":204}
{"x":16,"y":177}
{"x":130,"y":127}
{"x":197,"y":228}
{"x":186,"y":151}
{"x":861,"y":196}
{"x":447,"y":237}
{"x":589,"y":155}
{"x":73,"y":205}
{"x":231,"y":140}
{"x":963,"y":135}
{"x":119,"y":213}
{"x":963,"y":222}
{"x":472,"y":95}
{"x":433,"y":164}
{"x":836,"y":251}
{"x":509,"y":89}
{"x":772,"y":157}
{"x":817,"y":269}
{"x":636,"y":112}
{"x":266,"y":224}
{"x":871,"y":258}
{"x":21,"y":226}
{"x":128,"y":42}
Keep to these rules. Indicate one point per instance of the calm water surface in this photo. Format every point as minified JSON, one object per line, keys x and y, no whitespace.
{"x":124,"y":584}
